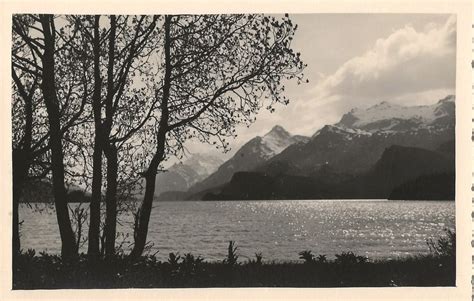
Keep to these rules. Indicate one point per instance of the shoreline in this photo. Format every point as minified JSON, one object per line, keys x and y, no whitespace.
{"x":46,"y":271}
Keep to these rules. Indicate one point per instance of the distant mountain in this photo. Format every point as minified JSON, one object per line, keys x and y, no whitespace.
{"x":356,"y":142}
{"x":366,"y":154}
{"x":395,"y":118}
{"x":181,"y":176}
{"x":255,"y":152}
{"x":259,"y":186}
{"x":426,"y":187}
{"x":397,"y":166}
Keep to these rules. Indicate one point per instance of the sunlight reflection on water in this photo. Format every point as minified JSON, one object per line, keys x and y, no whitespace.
{"x":278,"y":229}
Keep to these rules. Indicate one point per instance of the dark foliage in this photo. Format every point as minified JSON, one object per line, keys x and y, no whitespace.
{"x":307,"y":256}
{"x":231,"y":254}
{"x":173,"y":259}
{"x":347,"y":270}
{"x":444,"y":246}
{"x":322,"y":258}
{"x":348,"y":258}
{"x":48,"y":271}
{"x":427,"y":187}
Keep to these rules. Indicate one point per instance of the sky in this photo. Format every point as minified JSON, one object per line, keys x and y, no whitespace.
{"x":358,"y":60}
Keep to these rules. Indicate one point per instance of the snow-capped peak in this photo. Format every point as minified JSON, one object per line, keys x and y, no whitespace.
{"x":202,"y":164}
{"x":389,"y":116}
{"x":339,"y":129}
{"x":278,"y":131}
{"x":276,"y":140}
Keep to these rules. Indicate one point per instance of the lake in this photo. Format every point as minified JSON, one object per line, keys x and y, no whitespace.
{"x":277,"y":229}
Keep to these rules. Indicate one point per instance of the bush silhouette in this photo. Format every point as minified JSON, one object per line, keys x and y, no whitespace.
{"x":307,"y":256}
{"x":347,"y":258}
{"x":231,"y":254}
{"x":444,"y":246}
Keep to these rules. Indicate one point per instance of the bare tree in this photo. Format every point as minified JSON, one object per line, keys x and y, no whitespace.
{"x":119,"y":52}
{"x":24,"y":102}
{"x":151,"y":83}
{"x":61,"y":100}
{"x":217,"y":72}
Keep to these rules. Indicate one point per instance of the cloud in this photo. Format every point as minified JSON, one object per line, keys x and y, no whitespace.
{"x":406,"y":62}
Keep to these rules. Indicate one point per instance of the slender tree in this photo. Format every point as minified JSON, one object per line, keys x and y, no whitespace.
{"x":119,"y":51}
{"x":152,"y":83}
{"x":28,"y":124}
{"x":217,"y":72}
{"x":94,"y":224}
{"x":59,"y":98}
{"x":120,"y":96}
{"x":22,"y":149}
{"x":48,"y":87}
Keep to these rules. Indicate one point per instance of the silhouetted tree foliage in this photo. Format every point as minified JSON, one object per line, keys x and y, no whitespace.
{"x":117,"y":48}
{"x":215,"y":71}
{"x":132,"y":90}
{"x":54,"y":103}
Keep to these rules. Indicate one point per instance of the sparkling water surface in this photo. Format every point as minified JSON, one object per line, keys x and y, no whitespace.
{"x":277,"y":229}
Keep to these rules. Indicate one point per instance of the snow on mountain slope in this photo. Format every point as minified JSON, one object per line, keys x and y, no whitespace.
{"x":253,"y":153}
{"x":355,"y":143}
{"x":181,"y":176}
{"x":275,"y":141}
{"x":203,"y":164}
{"x":341,"y":129}
{"x":392,"y":117}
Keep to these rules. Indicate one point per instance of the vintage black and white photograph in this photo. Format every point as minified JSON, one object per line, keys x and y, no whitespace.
{"x":233,"y":150}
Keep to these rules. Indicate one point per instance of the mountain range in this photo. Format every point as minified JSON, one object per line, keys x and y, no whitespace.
{"x":250,"y":156}
{"x":369,"y":153}
{"x":181,"y":176}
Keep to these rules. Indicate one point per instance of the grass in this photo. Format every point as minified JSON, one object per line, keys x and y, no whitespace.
{"x":346,"y":270}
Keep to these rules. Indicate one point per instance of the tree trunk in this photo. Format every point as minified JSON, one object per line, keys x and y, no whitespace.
{"x":141,"y":226}
{"x":21,"y":159}
{"x":68,"y":241}
{"x":94,"y":223}
{"x":110,"y":149}
{"x":19,"y":176}
{"x":94,"y":209}
{"x":17,"y":186}
{"x":16,"y":247}
{"x":111,"y":200}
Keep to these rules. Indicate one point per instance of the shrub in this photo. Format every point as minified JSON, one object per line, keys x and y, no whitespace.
{"x":321,"y":259}
{"x":190,"y":266}
{"x":173,"y":259}
{"x":444,"y":246}
{"x":307,"y":256}
{"x":189,"y":259}
{"x":257,"y":260}
{"x":346,"y":258}
{"x":231,"y":254}
{"x":30,"y":253}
